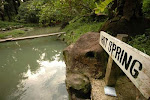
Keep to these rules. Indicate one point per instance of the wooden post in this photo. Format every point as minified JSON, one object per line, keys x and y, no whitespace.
{"x":112,"y":70}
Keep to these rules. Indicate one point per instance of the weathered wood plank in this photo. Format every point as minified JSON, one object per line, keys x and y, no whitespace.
{"x":30,"y":37}
{"x":134,"y":63}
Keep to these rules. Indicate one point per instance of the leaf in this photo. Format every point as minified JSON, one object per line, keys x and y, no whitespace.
{"x":102,"y":6}
{"x":97,"y":11}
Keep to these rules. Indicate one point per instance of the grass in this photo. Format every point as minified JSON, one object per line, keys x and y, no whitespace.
{"x":76,"y":29}
{"x":142,"y":42}
{"x":5,"y":24}
{"x":13,"y":33}
{"x":29,"y":31}
{"x":41,"y":30}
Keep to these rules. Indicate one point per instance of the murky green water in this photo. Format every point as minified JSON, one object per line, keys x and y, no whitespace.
{"x":32,"y":70}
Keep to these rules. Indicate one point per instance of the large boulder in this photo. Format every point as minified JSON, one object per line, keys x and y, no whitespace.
{"x":84,"y":60}
{"x":85,"y":56}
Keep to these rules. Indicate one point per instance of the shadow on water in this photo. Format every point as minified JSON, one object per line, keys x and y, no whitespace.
{"x":32,"y":70}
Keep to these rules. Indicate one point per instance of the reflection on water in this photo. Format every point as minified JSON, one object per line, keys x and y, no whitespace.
{"x":32,"y":70}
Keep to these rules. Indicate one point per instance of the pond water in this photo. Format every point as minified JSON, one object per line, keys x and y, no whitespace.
{"x":32,"y":70}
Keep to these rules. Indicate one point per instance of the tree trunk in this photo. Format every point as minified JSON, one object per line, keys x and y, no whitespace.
{"x":130,"y":9}
{"x":18,"y":2}
{"x":128,"y":18}
{"x":15,"y":6}
{"x":7,"y":11}
{"x":2,"y":16}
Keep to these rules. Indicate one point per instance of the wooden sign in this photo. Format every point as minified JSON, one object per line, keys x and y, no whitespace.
{"x":134,"y":63}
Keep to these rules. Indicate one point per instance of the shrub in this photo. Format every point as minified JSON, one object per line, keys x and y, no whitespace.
{"x":51,"y":12}
{"x":142,"y":42}
{"x":28,"y":13}
{"x":80,"y":26}
{"x":146,"y":7}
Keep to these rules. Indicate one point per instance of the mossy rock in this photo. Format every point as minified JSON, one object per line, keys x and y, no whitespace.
{"x":79,"y":85}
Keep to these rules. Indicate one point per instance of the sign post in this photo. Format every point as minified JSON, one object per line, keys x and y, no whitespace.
{"x":113,"y":71}
{"x":134,"y":63}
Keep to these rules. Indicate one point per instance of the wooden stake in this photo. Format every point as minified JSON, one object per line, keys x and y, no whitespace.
{"x":112,"y":70}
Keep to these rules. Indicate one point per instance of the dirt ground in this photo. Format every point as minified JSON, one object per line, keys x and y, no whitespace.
{"x":124,"y":88}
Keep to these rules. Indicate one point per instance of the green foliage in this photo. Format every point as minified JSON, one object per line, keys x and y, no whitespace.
{"x":75,"y":29}
{"x":52,"y":12}
{"x":4,"y":24}
{"x":64,"y":10}
{"x":9,"y":9}
{"x":146,"y":7}
{"x":28,"y":12}
{"x":142,"y":42}
{"x":101,"y":7}
{"x":13,"y":33}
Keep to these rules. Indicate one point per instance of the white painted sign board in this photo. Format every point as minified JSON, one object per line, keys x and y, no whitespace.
{"x":134,"y":63}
